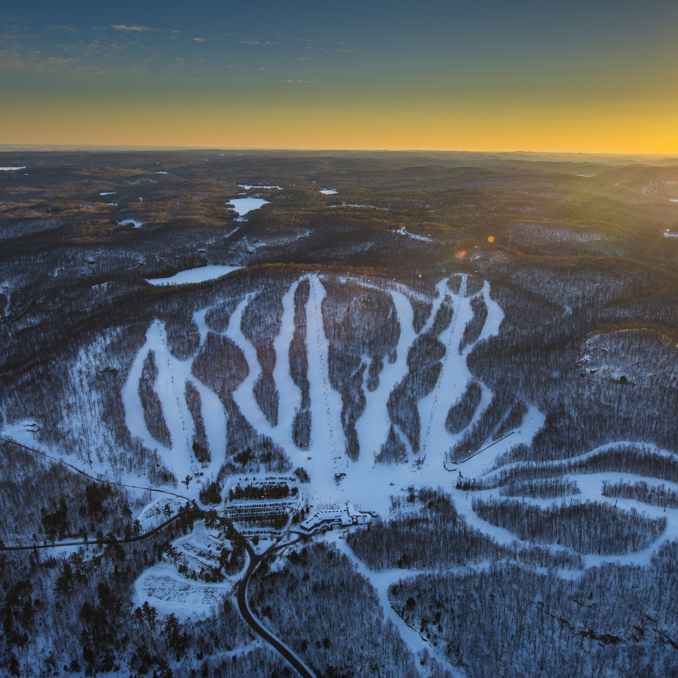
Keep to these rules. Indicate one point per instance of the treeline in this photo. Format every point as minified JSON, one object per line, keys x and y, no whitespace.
{"x":281,"y":491}
{"x":461,"y":413}
{"x":487,"y":423}
{"x":424,"y":362}
{"x":654,"y":495}
{"x":150,"y":402}
{"x":435,"y":536}
{"x":638,"y":460}
{"x":301,"y":426}
{"x":587,"y":527}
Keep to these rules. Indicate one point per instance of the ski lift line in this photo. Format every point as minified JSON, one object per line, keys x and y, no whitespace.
{"x":486,"y":448}
{"x":97,"y":480}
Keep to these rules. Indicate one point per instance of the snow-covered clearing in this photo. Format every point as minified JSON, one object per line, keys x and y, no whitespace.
{"x":328,"y":191}
{"x":11,"y":169}
{"x":194,"y":275}
{"x":245,"y":205}
{"x":132,"y":222}
{"x":168,"y":592}
{"x":108,"y":193}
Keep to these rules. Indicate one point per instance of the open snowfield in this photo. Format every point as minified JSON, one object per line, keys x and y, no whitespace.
{"x":245,"y":205}
{"x":367,"y":484}
{"x":194,"y":275}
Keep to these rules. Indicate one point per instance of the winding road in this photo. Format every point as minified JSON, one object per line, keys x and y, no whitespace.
{"x":253,"y":622}
{"x":254,"y":561}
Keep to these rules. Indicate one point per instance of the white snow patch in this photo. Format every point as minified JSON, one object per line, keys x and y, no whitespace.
{"x":248,"y":186}
{"x":422,"y":238}
{"x":11,"y":169}
{"x":350,"y":204}
{"x":168,"y":592}
{"x":133,"y":222}
{"x":108,"y":193}
{"x":194,"y":275}
{"x":328,"y":191}
{"x":245,"y":205}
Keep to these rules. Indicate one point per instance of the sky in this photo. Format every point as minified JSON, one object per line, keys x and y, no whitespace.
{"x":597,"y":76}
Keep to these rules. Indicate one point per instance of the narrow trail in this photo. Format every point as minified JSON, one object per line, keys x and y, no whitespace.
{"x":373,"y":425}
{"x":324,"y":431}
{"x":451,"y":362}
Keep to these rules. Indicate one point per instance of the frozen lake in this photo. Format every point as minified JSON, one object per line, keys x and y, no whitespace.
{"x":244,"y":205}
{"x":194,"y":275}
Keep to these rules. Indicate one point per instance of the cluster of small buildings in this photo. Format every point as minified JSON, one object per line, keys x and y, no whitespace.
{"x":345,"y":516}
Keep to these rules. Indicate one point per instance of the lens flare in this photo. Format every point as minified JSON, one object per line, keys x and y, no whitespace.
{"x":490,"y":239}
{"x":461,"y":254}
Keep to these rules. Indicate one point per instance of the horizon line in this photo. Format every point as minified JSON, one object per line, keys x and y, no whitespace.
{"x":5,"y":148}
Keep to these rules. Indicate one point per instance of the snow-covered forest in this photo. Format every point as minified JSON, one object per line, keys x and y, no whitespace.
{"x":292,"y":441}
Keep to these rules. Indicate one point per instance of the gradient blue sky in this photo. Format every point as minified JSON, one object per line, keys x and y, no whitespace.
{"x":486,"y":75}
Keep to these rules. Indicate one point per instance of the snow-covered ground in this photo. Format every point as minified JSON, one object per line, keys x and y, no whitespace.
{"x":328,"y":191}
{"x":170,"y":386}
{"x":248,"y":186}
{"x":366,"y":484}
{"x":381,"y":582}
{"x":169,"y":592}
{"x":245,"y":205}
{"x":194,"y":275}
{"x":133,"y":222}
{"x":11,"y":169}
